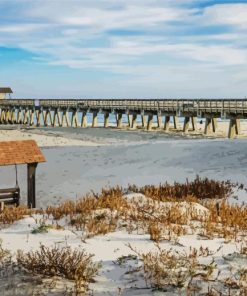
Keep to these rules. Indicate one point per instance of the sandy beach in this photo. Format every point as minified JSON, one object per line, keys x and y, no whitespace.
{"x":104,"y":157}
{"x":85,"y":160}
{"x":43,"y":140}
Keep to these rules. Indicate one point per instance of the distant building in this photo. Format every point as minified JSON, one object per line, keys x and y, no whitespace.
{"x":5,"y":92}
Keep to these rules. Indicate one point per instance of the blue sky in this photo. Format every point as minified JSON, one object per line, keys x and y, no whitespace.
{"x":124,"y":48}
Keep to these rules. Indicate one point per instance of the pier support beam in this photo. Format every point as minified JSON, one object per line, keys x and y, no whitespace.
{"x":159,"y":121}
{"x":186,"y":124}
{"x":150,"y":122}
{"x":19,"y":116}
{"x":25,"y":120}
{"x":119,"y":120}
{"x":13,"y":116}
{"x":8,"y":116}
{"x":84,"y":119}
{"x":31,"y":117}
{"x":57,"y":118}
{"x":74,"y":119}
{"x":167,"y":123}
{"x":65,"y":118}
{"x":3,"y":116}
{"x":208,"y":126}
{"x":214,"y":124}
{"x":234,"y":128}
{"x":95,"y":119}
{"x":175,"y":122}
{"x":194,"y":123}
{"x":38,"y":117}
{"x":134,"y":118}
{"x":106,"y":119}
{"x":47,"y":116}
{"x":130,"y":120}
{"x":144,"y":121}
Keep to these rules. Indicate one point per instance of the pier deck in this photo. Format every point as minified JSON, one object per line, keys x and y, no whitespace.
{"x":55,"y":112}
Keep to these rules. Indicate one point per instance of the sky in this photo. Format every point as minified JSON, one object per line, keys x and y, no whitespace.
{"x":124,"y":48}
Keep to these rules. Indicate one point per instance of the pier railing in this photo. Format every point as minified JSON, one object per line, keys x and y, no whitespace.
{"x":212,"y":105}
{"x":73,"y":112}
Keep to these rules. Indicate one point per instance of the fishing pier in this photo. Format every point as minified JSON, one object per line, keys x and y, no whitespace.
{"x":74,"y":113}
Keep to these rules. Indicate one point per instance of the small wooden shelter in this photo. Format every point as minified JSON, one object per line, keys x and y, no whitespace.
{"x":4,"y":91}
{"x":22,"y":152}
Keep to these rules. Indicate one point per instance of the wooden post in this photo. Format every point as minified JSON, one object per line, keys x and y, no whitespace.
{"x":38,"y":115}
{"x":144,"y":121}
{"x":234,"y":128}
{"x":19,"y":115}
{"x":119,"y":120}
{"x":130,"y":117}
{"x":8,"y":116}
{"x":208,"y":126}
{"x":186,"y":124}
{"x":214,"y":124}
{"x":46,"y":117}
{"x":194,"y":123}
{"x":95,"y":119}
{"x":238,"y":130}
{"x":150,"y":122}
{"x":175,"y":122}
{"x":134,"y":118}
{"x":31,"y":199}
{"x":159,"y":121}
{"x":167,"y":123}
{"x":31,"y":117}
{"x":65,"y":118}
{"x":25,"y":120}
{"x":3,"y":116}
{"x":74,"y":119}
{"x":106,"y":119}
{"x":84,"y":119}
{"x":13,"y":116}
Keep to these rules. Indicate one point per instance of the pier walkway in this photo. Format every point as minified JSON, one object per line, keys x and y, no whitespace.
{"x":73,"y":113}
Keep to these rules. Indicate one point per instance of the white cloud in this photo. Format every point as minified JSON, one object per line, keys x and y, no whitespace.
{"x":227,"y":14}
{"x":77,"y":34}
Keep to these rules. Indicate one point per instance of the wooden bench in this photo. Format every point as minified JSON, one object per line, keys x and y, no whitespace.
{"x":10,"y":196}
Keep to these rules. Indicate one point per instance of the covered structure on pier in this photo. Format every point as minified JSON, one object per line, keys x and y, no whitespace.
{"x":5,"y":92}
{"x":16,"y":153}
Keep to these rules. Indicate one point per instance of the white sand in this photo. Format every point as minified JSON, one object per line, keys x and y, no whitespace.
{"x":43,"y":140}
{"x":148,"y":158}
{"x":107,"y":249}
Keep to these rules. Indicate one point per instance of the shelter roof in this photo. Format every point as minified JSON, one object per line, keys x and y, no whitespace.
{"x":6,"y":90}
{"x":20,"y":152}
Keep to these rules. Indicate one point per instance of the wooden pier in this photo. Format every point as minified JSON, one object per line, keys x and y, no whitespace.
{"x":73,"y":113}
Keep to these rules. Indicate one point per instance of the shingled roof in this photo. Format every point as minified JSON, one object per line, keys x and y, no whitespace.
{"x":20,"y":152}
{"x":5,"y":90}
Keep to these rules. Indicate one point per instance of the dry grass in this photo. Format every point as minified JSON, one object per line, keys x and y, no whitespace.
{"x":99,"y":214}
{"x":177,"y":272}
{"x":225,"y":220}
{"x":190,"y":210}
{"x":11,"y":214}
{"x":5,"y":260}
{"x":198,"y":188}
{"x":109,"y":210}
{"x":73,"y":265}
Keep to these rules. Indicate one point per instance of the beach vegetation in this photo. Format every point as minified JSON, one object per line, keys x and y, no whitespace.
{"x":75,"y":265}
{"x":199,"y":188}
{"x":42,"y":228}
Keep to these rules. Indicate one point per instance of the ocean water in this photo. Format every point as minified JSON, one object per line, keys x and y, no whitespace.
{"x":131,"y":157}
